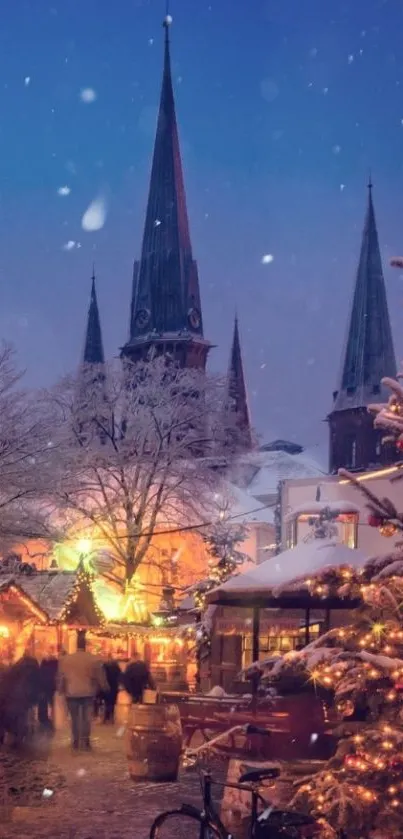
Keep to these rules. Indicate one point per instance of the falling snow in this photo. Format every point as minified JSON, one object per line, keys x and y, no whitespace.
{"x":267,"y":258}
{"x":88,"y":95}
{"x":64,"y":190}
{"x":95,"y":215}
{"x":27,"y":80}
{"x":71,"y":245}
{"x":269,"y":90}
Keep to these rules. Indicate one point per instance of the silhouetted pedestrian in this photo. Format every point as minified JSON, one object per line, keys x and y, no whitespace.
{"x":48,"y":669}
{"x":81,"y":676}
{"x":113,"y":676}
{"x":137,"y":678}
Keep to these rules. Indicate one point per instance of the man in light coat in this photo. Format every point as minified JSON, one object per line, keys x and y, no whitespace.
{"x":81,"y":676}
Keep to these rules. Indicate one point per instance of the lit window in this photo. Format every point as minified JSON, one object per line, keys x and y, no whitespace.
{"x":346,"y":523}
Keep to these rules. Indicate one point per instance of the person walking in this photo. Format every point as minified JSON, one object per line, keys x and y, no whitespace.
{"x":48,"y":669}
{"x":113,"y":676}
{"x":19,"y":695}
{"x":137,"y":678}
{"x":81,"y":675}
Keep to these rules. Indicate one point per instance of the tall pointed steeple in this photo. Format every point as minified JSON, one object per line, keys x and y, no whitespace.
{"x":93,"y":347}
{"x":368,"y":356}
{"x":165,"y":308}
{"x":237,"y":399}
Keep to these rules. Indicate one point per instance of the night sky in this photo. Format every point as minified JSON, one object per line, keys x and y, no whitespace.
{"x":283,"y":108}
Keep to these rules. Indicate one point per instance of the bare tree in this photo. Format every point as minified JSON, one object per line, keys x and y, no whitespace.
{"x":135,"y":447}
{"x":25,"y":442}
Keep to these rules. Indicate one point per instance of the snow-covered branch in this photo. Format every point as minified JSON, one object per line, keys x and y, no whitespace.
{"x":134,"y":446}
{"x":25,"y":452}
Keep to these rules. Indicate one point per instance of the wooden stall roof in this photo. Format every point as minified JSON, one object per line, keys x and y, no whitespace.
{"x":17,"y":605}
{"x":60,"y":595}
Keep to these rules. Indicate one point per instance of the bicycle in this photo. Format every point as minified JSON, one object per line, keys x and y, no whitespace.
{"x":266,"y":822}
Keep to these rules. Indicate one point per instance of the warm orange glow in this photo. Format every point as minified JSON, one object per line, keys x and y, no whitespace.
{"x":369,"y":476}
{"x":4,"y":632}
{"x":84,"y":546}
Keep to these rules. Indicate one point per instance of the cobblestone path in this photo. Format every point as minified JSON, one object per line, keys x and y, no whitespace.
{"x":93,"y":798}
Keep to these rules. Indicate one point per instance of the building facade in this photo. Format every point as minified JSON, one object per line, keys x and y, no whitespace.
{"x":368,"y":356}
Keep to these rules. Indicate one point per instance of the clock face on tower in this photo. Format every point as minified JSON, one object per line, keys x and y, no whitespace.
{"x":194,"y":318}
{"x":142,"y":318}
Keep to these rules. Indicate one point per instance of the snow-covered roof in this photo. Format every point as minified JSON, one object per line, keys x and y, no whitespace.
{"x":262,"y":471}
{"x":9,"y":582}
{"x":48,"y":589}
{"x":244,"y":507}
{"x":307,"y":558}
{"x":316,"y":507}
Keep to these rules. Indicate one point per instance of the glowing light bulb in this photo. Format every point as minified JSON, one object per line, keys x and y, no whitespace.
{"x":84,"y":546}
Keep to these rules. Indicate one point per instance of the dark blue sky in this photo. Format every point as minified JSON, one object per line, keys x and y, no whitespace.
{"x":282,"y":108}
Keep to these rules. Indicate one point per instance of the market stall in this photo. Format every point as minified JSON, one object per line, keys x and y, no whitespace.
{"x":168,"y":650}
{"x":278,"y":591}
{"x":18,"y":617}
{"x":58,"y":602}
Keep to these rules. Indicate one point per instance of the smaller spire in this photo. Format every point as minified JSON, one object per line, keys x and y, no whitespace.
{"x":237,"y":398}
{"x":93,"y":347}
{"x":370,"y":183}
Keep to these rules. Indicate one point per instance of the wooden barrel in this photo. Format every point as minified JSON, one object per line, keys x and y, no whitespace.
{"x":154,"y":742}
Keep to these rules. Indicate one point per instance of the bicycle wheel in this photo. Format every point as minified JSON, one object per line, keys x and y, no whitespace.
{"x":177,"y":824}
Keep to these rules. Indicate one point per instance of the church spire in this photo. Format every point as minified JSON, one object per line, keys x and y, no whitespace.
{"x":93,"y":347}
{"x":368,"y":356}
{"x":237,"y":399}
{"x":166,"y":309}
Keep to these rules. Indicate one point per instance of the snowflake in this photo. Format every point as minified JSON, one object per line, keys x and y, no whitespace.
{"x":70,"y":245}
{"x":64,"y":190}
{"x":95,"y":215}
{"x":27,"y":80}
{"x":87,"y":95}
{"x":267,"y":258}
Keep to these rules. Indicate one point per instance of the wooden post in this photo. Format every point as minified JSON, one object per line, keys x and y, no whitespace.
{"x":255,"y":633}
{"x":307,"y":625}
{"x":327,"y":619}
{"x":255,"y":655}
